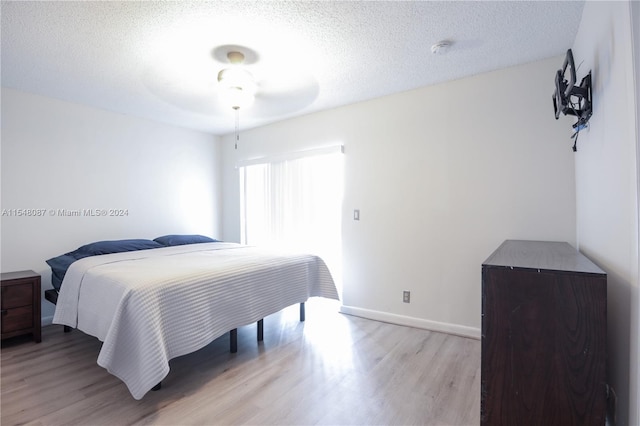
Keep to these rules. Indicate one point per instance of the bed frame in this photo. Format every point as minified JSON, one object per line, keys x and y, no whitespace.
{"x":52,"y":296}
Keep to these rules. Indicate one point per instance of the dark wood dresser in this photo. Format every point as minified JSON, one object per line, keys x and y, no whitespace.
{"x":20,"y":300}
{"x":544,"y":309}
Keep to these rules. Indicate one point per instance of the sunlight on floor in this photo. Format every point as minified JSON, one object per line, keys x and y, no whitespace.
{"x":327,"y":332}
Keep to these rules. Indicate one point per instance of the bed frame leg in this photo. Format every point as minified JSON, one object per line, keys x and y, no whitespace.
{"x":261,"y":330}
{"x":67,"y":329}
{"x":157,"y":387}
{"x":302,"y":311}
{"x":233,"y":341}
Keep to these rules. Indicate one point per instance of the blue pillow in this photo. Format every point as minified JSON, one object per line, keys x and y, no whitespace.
{"x":116,"y":246}
{"x":179,"y":240}
{"x":60,"y":264}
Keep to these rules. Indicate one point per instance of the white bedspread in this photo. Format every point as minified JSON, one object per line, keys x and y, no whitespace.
{"x":150,"y":306}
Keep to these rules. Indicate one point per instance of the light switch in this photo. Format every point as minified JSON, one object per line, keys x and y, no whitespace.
{"x":356,"y":215}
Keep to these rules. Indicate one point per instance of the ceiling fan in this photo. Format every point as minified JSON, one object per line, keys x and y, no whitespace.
{"x":237,"y":85}
{"x":270,"y":85}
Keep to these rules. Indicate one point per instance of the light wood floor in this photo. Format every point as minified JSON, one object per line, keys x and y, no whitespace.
{"x":331,"y":369}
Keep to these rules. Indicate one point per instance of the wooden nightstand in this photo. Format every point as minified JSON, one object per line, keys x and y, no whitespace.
{"x":20,"y":302}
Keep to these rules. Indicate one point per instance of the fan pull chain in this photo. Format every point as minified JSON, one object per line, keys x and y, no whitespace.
{"x":237,"y":125}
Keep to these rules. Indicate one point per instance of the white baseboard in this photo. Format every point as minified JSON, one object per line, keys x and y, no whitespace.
{"x":442,"y":327}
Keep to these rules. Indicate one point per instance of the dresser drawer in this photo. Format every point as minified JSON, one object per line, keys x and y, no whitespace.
{"x":14,"y":296}
{"x":17,"y":319}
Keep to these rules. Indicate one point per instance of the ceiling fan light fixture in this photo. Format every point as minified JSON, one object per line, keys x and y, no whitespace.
{"x":236,"y":77}
{"x":237,"y":86}
{"x":236,"y":97}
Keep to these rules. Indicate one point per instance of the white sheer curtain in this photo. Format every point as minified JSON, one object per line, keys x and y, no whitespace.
{"x":295,"y":203}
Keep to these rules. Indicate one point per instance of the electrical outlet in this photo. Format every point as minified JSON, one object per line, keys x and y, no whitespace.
{"x":406,"y":296}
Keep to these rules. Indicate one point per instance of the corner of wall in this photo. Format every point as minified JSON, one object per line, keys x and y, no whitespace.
{"x":634,"y":415}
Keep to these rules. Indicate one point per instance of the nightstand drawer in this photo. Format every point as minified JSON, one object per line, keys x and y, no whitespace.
{"x":17,"y":319}
{"x":20,"y":303}
{"x":14,"y":296}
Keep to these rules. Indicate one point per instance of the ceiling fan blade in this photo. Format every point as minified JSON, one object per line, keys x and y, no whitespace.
{"x":275,"y":98}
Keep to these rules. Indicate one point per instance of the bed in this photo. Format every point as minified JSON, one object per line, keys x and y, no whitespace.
{"x":149,"y":305}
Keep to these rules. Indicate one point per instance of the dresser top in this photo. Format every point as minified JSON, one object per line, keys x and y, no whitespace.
{"x":543,"y":255}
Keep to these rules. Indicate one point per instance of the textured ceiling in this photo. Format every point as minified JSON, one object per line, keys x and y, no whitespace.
{"x":160,"y":60}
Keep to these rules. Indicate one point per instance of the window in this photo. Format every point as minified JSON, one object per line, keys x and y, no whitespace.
{"x":295,"y":203}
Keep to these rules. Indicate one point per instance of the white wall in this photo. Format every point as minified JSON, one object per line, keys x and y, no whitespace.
{"x":59,"y":155}
{"x":607,"y":186}
{"x":441,"y":175}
